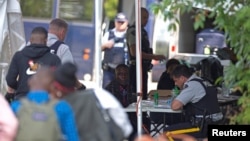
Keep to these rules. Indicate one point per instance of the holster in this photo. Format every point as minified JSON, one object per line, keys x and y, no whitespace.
{"x":196,"y":122}
{"x":146,"y":64}
{"x":200,"y":122}
{"x":107,"y":67}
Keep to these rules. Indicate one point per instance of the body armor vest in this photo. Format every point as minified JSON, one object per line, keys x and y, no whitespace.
{"x":207,"y":105}
{"x":116,"y":54}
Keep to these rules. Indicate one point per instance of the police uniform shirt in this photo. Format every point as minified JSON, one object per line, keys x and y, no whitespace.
{"x":193,"y":91}
{"x":131,"y":36}
{"x":117,"y":34}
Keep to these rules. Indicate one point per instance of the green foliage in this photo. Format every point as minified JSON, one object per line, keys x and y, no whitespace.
{"x":233,"y":18}
{"x":110,"y":8}
{"x":68,"y":9}
{"x":87,"y":13}
{"x":37,"y":8}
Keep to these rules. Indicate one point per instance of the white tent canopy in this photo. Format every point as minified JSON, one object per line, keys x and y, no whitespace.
{"x":11,"y":36}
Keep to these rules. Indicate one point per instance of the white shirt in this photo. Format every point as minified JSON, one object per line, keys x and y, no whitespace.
{"x":118,"y":34}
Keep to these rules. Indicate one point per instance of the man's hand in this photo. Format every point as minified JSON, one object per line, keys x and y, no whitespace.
{"x":108,"y":44}
{"x":80,"y":86}
{"x":9,"y":97}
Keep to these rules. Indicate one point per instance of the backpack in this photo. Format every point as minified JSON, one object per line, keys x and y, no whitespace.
{"x":38,"y":122}
{"x":102,"y":127}
{"x":211,"y":69}
{"x":208,"y":104}
{"x":55,"y":46}
{"x":205,"y":107}
{"x":115,"y":131}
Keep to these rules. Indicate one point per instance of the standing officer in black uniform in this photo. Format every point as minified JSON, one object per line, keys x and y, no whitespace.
{"x":147,"y":56}
{"x":147,"y":53}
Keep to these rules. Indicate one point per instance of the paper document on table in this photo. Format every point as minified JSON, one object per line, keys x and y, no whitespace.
{"x":145,"y":103}
{"x":166,"y":106}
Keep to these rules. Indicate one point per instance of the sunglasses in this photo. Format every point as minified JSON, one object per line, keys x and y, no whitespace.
{"x":120,"y":22}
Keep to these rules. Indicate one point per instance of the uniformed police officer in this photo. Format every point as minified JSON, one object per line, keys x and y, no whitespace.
{"x":115,"y":48}
{"x":147,"y":54}
{"x":197,"y":101}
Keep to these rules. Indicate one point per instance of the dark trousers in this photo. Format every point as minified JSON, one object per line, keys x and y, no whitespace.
{"x":108,"y":76}
{"x":145,"y":123}
{"x":133,"y":78}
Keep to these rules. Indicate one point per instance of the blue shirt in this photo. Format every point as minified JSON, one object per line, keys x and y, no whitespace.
{"x":193,"y":91}
{"x":63,"y":111}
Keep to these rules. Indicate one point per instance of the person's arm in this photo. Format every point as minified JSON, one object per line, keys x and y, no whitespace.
{"x":67,"y":121}
{"x":132,"y":49}
{"x":79,"y":85}
{"x":187,"y":95}
{"x":8,"y":121}
{"x":65,"y":54}
{"x":12,"y":74}
{"x":176,"y":105}
{"x":107,"y":43}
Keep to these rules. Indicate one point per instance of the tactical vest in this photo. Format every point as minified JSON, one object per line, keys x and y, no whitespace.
{"x":116,"y":54}
{"x":207,"y":105}
{"x":145,"y":45}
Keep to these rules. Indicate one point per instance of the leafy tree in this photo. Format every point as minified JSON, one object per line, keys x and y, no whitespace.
{"x":233,"y":18}
{"x":37,"y":8}
{"x":110,"y":8}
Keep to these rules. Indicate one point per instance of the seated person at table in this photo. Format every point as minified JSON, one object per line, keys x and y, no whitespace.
{"x":166,"y":82}
{"x":120,"y":87}
{"x":198,"y":105}
{"x":122,"y":90}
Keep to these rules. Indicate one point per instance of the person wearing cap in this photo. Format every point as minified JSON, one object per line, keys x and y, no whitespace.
{"x":114,"y":47}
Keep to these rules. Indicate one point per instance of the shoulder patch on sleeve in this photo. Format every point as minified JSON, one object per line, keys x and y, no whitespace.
{"x":185,"y":86}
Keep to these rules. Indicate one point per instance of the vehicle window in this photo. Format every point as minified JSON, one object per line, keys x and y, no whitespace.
{"x":37,"y":8}
{"x":76,"y":9}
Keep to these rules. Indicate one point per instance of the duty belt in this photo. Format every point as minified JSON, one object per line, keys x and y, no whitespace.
{"x":112,"y":65}
{"x":214,"y":117}
{"x":133,"y":62}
